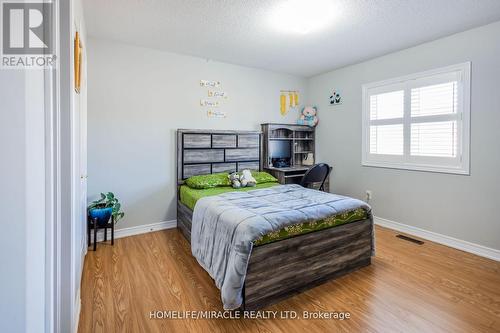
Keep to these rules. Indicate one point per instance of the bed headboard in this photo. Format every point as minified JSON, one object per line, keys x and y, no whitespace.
{"x":210,"y":151}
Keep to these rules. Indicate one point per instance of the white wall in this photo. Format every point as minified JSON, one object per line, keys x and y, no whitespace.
{"x":13,"y":204}
{"x":138,"y":97}
{"x":22,"y":194}
{"x":464,"y":207}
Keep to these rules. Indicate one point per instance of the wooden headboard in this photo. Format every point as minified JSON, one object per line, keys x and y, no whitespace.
{"x":210,"y":151}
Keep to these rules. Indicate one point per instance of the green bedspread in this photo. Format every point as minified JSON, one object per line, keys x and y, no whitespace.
{"x":189,"y":197}
{"x":307,"y":227}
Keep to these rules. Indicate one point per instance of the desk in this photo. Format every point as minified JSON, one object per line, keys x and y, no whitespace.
{"x":293,"y":175}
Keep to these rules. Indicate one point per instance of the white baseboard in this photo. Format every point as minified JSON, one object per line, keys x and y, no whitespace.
{"x":78,"y":307}
{"x":140,"y":229}
{"x":455,"y":243}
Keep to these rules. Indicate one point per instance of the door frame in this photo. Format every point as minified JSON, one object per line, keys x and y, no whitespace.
{"x":59,"y":308}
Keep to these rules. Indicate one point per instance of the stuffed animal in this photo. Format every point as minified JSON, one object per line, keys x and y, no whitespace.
{"x":247,"y":179}
{"x":234,"y":178}
{"x":242,"y":180}
{"x":308,"y":116}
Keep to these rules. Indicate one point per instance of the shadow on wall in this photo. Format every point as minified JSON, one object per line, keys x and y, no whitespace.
{"x":144,"y":210}
{"x":160,"y":205}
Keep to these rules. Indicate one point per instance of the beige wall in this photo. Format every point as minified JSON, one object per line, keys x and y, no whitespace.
{"x":464,"y":207}
{"x":138,"y":97}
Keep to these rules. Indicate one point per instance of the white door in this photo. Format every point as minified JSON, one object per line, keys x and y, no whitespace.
{"x":79,"y":200}
{"x":83,"y":152}
{"x":81,"y":221}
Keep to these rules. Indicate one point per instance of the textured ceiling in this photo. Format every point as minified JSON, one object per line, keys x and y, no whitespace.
{"x":241,"y":31}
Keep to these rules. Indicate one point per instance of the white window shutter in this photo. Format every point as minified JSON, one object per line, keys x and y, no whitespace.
{"x":434,"y":100}
{"x":419,"y":122}
{"x":387,"y":105}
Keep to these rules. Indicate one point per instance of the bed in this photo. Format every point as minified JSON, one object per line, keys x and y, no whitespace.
{"x":289,"y":259}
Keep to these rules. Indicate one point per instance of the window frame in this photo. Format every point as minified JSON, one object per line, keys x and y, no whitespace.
{"x":458,"y":165}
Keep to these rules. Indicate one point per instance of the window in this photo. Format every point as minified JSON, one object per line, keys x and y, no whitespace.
{"x":419,"y":122}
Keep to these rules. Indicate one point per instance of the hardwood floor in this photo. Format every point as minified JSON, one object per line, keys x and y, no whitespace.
{"x":408,"y":288}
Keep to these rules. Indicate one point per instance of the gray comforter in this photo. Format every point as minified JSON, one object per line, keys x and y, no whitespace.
{"x":225,"y":225}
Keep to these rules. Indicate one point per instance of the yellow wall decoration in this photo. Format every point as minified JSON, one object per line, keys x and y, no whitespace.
{"x":293,"y":100}
{"x":77,"y":62}
{"x":283,"y":109}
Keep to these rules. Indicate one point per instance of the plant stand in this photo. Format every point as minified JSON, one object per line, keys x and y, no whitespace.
{"x":92,"y":224}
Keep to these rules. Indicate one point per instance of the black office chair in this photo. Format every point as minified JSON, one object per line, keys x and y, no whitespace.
{"x":316,"y":175}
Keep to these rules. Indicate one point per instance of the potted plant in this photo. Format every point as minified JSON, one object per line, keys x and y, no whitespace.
{"x":105,"y":207}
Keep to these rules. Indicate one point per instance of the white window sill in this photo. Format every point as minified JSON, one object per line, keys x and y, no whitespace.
{"x":418,"y":167}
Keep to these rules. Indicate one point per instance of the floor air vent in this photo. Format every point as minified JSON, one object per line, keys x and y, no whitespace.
{"x":409,"y":239}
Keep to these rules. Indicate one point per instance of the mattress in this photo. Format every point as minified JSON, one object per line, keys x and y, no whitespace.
{"x":189,"y":196}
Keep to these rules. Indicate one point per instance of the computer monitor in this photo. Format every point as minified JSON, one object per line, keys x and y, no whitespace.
{"x":280,"y":149}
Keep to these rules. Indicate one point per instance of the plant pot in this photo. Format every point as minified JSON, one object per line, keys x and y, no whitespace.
{"x":102,"y":214}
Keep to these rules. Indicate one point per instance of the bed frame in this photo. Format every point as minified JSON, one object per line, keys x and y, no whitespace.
{"x":286,"y":267}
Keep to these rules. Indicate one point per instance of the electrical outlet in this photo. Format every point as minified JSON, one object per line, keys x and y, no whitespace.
{"x":369,"y":195}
